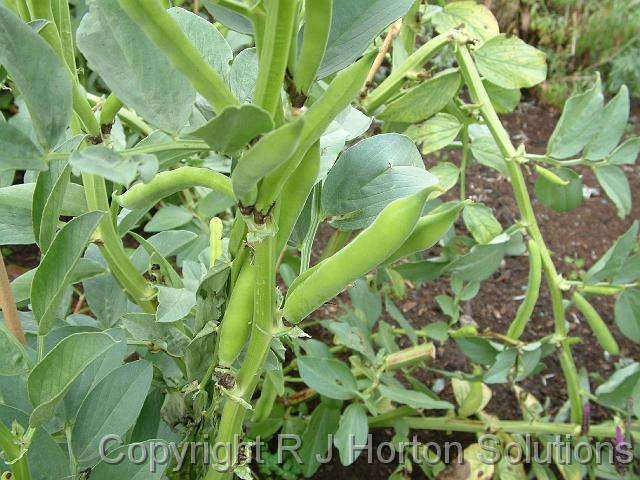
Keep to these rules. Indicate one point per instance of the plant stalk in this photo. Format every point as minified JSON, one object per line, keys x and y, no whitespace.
{"x":11,"y":451}
{"x":233,"y":412}
{"x":479,"y":95}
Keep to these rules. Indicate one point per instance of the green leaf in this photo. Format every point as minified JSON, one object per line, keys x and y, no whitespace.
{"x":615,"y":183}
{"x":578,"y":123}
{"x":354,"y":25}
{"x":481,"y":222}
{"x":424,"y":100}
{"x":143,"y":327}
{"x":436,"y":133}
{"x":111,"y":408}
{"x":125,"y":468}
{"x":207,"y":39}
{"x":16,"y":227}
{"x":14,"y":359}
{"x":369,"y":176}
{"x":616,"y":257}
{"x":628,"y":314}
{"x":503,"y":100}
{"x":328,"y":377}
{"x":322,"y":425}
{"x":486,"y":151}
{"x":39,"y":75}
{"x":500,"y":370}
{"x":480,"y":263}
{"x":234,"y":128}
{"x":477,"y":19}
{"x":612,"y":126}
{"x":55,"y":272}
{"x":627,"y":153}
{"x":560,"y":198}
{"x":168,"y":218}
{"x":18,"y":151}
{"x":174,"y":304}
{"x":52,"y":377}
{"x":510,"y":63}
{"x":107,"y":163}
{"x":103,"y":294}
{"x":244,"y":75}
{"x":412,"y":398}
{"x":50,"y":461}
{"x":73,"y":205}
{"x":48,"y":200}
{"x":352,"y":432}
{"x":229,"y":18}
{"x":133,"y":68}
{"x":619,"y":387}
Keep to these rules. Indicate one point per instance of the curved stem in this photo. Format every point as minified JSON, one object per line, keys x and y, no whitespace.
{"x":479,"y":95}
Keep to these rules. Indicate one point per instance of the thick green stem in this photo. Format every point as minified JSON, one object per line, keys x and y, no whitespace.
{"x":111,"y":246}
{"x":11,"y":451}
{"x":479,"y":96}
{"x":394,"y":82}
{"x":446,"y":424}
{"x":233,"y":413}
{"x":110,"y":109}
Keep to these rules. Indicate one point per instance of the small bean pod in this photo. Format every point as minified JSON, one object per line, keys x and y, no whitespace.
{"x":516,"y":329}
{"x":238,"y":317}
{"x":317,"y":27}
{"x":429,"y":230}
{"x":264,"y":405}
{"x":552,"y":177}
{"x":368,"y":250}
{"x":215,"y":244}
{"x":165,"y":184}
{"x":295,"y":194}
{"x":595,"y":321}
{"x":473,"y":401}
{"x":268,"y":154}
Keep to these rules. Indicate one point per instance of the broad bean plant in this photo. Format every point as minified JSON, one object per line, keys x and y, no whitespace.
{"x":173,"y":170}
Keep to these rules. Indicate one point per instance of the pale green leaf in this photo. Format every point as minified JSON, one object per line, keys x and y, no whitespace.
{"x":48,"y":200}
{"x":436,"y":133}
{"x":615,"y":183}
{"x":477,"y":19}
{"x":628,"y":314}
{"x":120,"y":466}
{"x":352,"y":432}
{"x":14,"y":359}
{"x":18,"y":151}
{"x":328,"y":377}
{"x":413,"y":398}
{"x":612,"y":126}
{"x":481,"y":223}
{"x":627,"y":153}
{"x":174,"y":304}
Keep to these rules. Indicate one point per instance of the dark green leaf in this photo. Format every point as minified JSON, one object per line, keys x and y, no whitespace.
{"x":628,"y":314}
{"x":120,"y":465}
{"x":14,"y":359}
{"x":328,"y":377}
{"x":315,"y":445}
{"x":353,"y":432}
{"x":412,"y":398}
{"x":48,"y":200}
{"x":560,"y":198}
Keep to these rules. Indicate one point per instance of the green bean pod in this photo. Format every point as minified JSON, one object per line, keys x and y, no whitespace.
{"x":238,"y":317}
{"x":595,"y":321}
{"x":167,"y":35}
{"x":473,"y":401}
{"x":274,"y":53}
{"x":552,"y":177}
{"x":525,"y":310}
{"x":273,"y":150}
{"x":146,"y":195}
{"x":368,"y":250}
{"x":341,"y":92}
{"x":264,"y":405}
{"x":429,"y":230}
{"x":295,"y":194}
{"x":317,"y":27}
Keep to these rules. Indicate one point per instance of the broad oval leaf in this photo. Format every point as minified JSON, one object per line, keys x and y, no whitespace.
{"x":54,"y":374}
{"x":354,"y":25}
{"x":413,"y":398}
{"x":328,"y":377}
{"x":612,"y":126}
{"x":234,"y":128}
{"x":369,"y":176}
{"x":424,"y":100}
{"x":55,"y":272}
{"x":135,"y":70}
{"x":481,"y":222}
{"x":111,"y":408}
{"x":480,"y":263}
{"x":40,"y":76}
{"x":244,"y":75}
{"x":627,"y":153}
{"x":477,"y":19}
{"x":510,"y":63}
{"x":18,"y":151}
{"x":436,"y":133}
{"x":352,"y":432}
{"x":628,"y":314}
{"x":14,"y":359}
{"x":560,"y":198}
{"x":615,"y":183}
{"x":100,"y":160}
{"x":578,"y":123}
{"x":322,"y":424}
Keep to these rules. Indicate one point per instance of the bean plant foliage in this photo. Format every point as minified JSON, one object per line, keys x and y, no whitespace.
{"x":173,"y":170}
